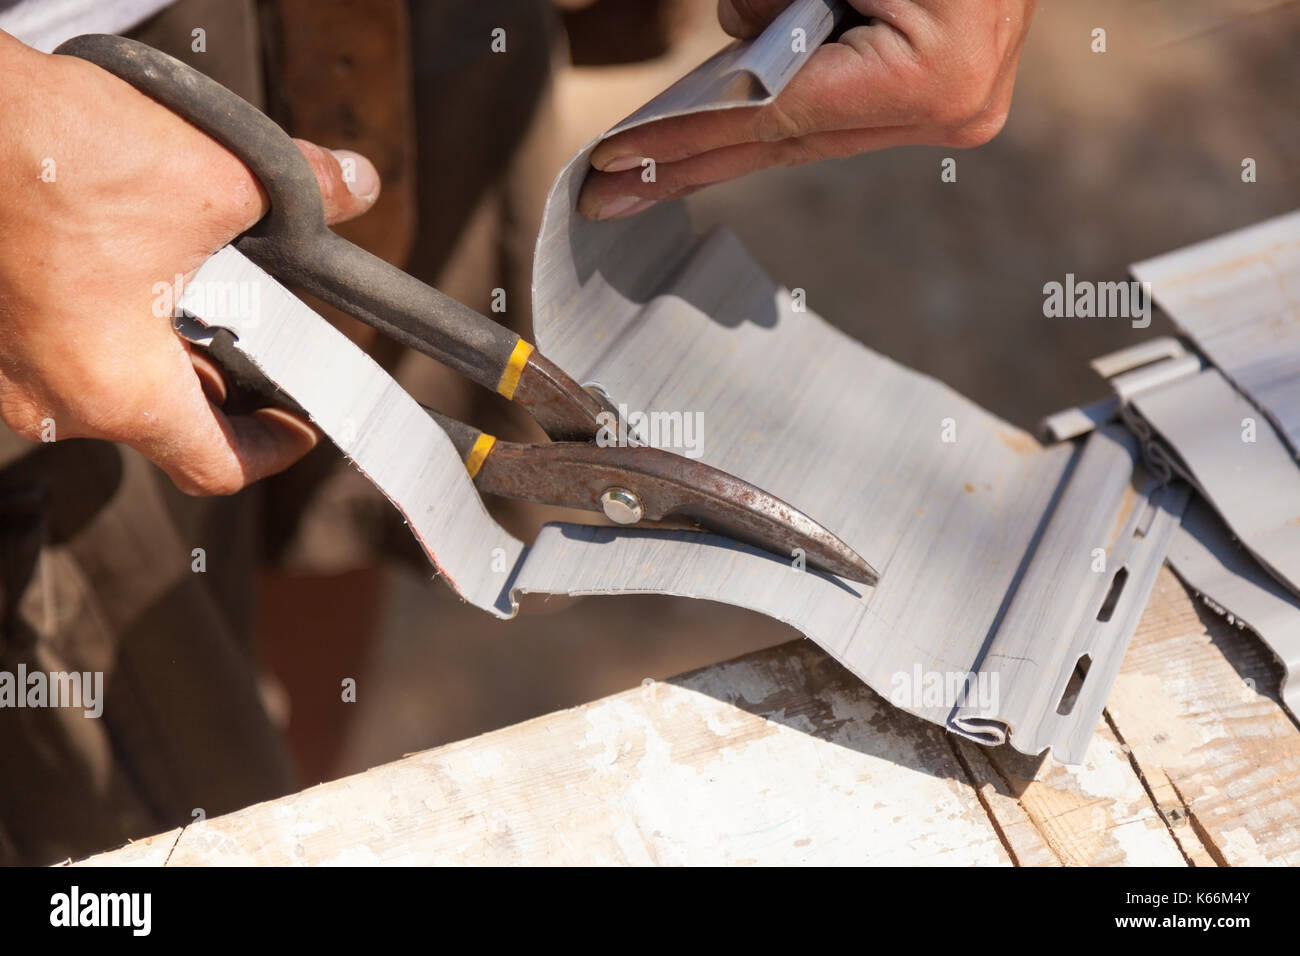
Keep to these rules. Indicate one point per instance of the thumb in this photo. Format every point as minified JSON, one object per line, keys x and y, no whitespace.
{"x":747,"y":18}
{"x":349,"y":183}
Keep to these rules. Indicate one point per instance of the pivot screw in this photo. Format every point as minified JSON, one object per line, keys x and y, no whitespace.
{"x":621,"y":506}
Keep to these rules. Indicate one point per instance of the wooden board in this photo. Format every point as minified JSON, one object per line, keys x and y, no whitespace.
{"x":783,"y":757}
{"x":1196,"y":703}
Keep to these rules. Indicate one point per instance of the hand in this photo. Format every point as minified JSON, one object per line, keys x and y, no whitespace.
{"x":921,"y":72}
{"x":109,"y":195}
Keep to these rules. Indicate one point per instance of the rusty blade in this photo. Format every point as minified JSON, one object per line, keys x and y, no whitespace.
{"x":565,"y":410}
{"x":668,"y":487}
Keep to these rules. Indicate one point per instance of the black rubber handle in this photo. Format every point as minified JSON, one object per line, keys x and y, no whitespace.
{"x":292,"y":241}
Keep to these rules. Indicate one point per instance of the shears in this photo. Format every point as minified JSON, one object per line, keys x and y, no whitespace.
{"x":633,"y":485}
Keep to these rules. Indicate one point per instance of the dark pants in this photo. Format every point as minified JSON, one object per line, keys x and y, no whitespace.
{"x":98,"y":550}
{"x":97,"y":558}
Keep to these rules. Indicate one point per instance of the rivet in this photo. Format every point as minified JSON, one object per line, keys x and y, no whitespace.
{"x":621,"y":506}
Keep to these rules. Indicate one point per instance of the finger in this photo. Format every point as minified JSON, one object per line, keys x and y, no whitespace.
{"x":206,"y":452}
{"x":618,"y":195}
{"x":747,"y":18}
{"x":242,"y":449}
{"x":842,"y":86}
{"x":349,"y":183}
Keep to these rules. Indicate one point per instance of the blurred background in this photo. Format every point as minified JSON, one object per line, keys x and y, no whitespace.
{"x":469,"y":108}
{"x":1108,"y":158}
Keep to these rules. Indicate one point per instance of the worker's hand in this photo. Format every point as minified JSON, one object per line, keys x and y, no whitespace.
{"x":107,"y":197}
{"x":921,"y":72}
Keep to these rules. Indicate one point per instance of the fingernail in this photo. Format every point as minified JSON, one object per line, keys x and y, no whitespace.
{"x":620,"y":164}
{"x":617,"y":206}
{"x":290,"y":422}
{"x":640,"y":206}
{"x":359,"y":174}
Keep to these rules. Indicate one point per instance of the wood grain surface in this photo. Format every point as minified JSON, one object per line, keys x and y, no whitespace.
{"x":783,"y":757}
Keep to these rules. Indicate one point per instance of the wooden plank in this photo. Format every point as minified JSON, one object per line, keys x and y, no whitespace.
{"x":1021,"y":836}
{"x":778,"y":757}
{"x":1218,"y":758}
{"x":151,"y":851}
{"x":1196,"y":704}
{"x":1092,"y":814}
{"x":783,"y":757}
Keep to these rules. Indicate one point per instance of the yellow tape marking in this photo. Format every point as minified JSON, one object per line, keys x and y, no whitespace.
{"x":482,"y":448}
{"x":510,"y":377}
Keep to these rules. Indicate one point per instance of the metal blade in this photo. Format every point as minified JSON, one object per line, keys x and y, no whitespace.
{"x":634,"y":485}
{"x":565,"y":410}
